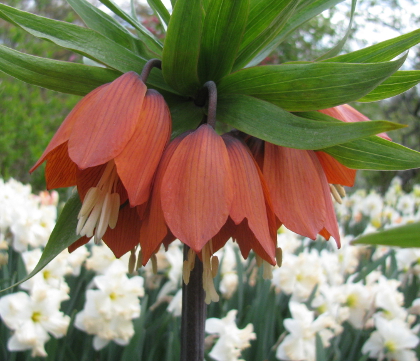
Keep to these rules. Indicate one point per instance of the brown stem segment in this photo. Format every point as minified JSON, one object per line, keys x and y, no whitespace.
{"x":211,"y":112}
{"x":152,"y":63}
{"x":194,"y":313}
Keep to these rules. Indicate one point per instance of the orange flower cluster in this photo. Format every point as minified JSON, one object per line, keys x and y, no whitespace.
{"x":137,"y":188}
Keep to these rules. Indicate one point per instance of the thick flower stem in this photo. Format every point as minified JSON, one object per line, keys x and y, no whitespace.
{"x":194,"y":312}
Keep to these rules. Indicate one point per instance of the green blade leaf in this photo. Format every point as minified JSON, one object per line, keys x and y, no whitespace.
{"x":397,"y":83}
{"x":384,"y":51}
{"x":57,"y":75}
{"x":302,"y":87}
{"x":185,"y":116}
{"x":160,"y":9}
{"x":306,"y":10}
{"x":339,"y":46}
{"x":62,"y":236}
{"x":266,"y":19}
{"x":402,"y":236}
{"x":275,"y":125}
{"x":73,"y":37}
{"x":223,"y":28}
{"x":375,"y":153}
{"x":182,"y":47}
{"x":145,"y":35}
{"x":104,"y":24}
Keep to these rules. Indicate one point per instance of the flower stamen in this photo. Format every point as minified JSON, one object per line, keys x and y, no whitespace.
{"x":101,"y":205}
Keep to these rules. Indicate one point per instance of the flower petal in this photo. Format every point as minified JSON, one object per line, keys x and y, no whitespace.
{"x":336,"y":172}
{"x":125,"y":236}
{"x":63,"y":133}
{"x":249,"y":200}
{"x":137,"y":163}
{"x":197,"y":190}
{"x":295,"y":180}
{"x":153,"y":229}
{"x":107,"y":121}
{"x":79,"y":243}
{"x":60,"y":171}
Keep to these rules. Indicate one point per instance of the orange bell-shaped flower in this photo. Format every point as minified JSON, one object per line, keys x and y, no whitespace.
{"x":110,"y":146}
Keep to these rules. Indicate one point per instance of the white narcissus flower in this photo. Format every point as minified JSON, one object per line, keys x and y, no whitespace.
{"x":175,"y":306}
{"x":231,"y":339}
{"x":102,"y":257}
{"x":109,"y":310}
{"x":300,"y":343}
{"x":32,"y":318}
{"x":392,"y":339}
{"x":229,"y":277}
{"x":358,"y":298}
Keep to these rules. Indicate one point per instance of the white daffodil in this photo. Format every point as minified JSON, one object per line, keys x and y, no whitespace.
{"x":102,"y":257}
{"x":231,"y":339}
{"x":392,"y":339}
{"x":32,"y":318}
{"x":300,"y":343}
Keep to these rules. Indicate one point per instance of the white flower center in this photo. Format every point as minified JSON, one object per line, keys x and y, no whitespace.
{"x":101,"y":206}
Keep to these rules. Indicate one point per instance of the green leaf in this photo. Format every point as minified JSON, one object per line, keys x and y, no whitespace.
{"x":182,"y":47}
{"x":306,"y":10}
{"x":265,"y":21}
{"x":402,"y":236}
{"x":145,"y":35}
{"x":384,"y":51}
{"x":62,"y":236}
{"x":84,"y":41}
{"x":160,"y":9}
{"x":103,"y":23}
{"x":397,"y":83}
{"x":275,"y":125}
{"x":375,"y":153}
{"x":319,"y":347}
{"x":223,"y":28}
{"x":339,"y":46}
{"x":185,"y":116}
{"x":302,"y":87}
{"x":57,"y":75}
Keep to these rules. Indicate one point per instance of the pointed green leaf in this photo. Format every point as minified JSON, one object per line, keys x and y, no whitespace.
{"x":84,"y":41}
{"x":104,"y":24}
{"x":185,"y":116}
{"x":160,"y":9}
{"x":384,"y":51}
{"x":145,"y":35}
{"x":182,"y":47}
{"x":57,"y":75}
{"x":275,"y":125}
{"x":339,"y":46}
{"x":302,"y":87}
{"x":402,"y":236}
{"x":306,"y":10}
{"x":319,"y":347}
{"x":397,"y":83}
{"x":375,"y":153}
{"x":223,"y":28}
{"x":265,"y":21}
{"x":62,"y":236}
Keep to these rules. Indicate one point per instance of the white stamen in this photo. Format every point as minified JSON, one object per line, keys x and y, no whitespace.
{"x":140,"y":260}
{"x":340,"y":189}
{"x":132,"y":261}
{"x":267,"y":270}
{"x":214,"y":266}
{"x":335,"y":194}
{"x":100,"y":206}
{"x":154,"y":263}
{"x":208,"y":284}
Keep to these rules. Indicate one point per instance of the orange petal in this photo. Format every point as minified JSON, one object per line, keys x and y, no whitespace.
{"x":296,"y":181}
{"x":348,"y":114}
{"x":197,"y":188}
{"x":249,"y":201}
{"x":125,"y":236}
{"x":60,"y":171}
{"x":137,"y":163}
{"x":63,"y":133}
{"x":226,"y":232}
{"x":107,"y":121}
{"x":336,"y":172}
{"x":79,"y":243}
{"x":153,"y":228}
{"x":256,"y":147}
{"x":247,"y":241}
